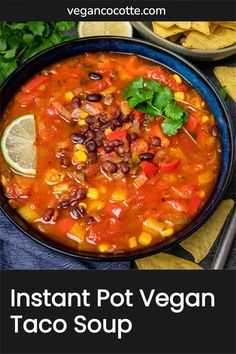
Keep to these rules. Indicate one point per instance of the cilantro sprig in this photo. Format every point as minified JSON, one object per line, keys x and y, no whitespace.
{"x":149,"y":96}
{"x":21,"y":40}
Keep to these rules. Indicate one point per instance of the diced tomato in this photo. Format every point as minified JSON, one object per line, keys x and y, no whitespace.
{"x":137,"y":115}
{"x":31,"y":85}
{"x":192,"y":123}
{"x":139,"y":146}
{"x":117,"y":134}
{"x":201,"y":135}
{"x":14,"y":191}
{"x":99,"y":86}
{"x":140,"y":180}
{"x":149,"y":169}
{"x":178,"y":205}
{"x":156,"y":131}
{"x":28,"y":98}
{"x":115,"y":209}
{"x":65,"y":225}
{"x":194,"y":205}
{"x":169,"y":166}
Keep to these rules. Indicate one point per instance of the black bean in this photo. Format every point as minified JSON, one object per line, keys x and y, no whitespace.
{"x":65,"y":161}
{"x":214,"y":130}
{"x":90,"y":119}
{"x":94,"y":97}
{"x":120,"y":149}
{"x":99,"y":142}
{"x":146,"y":156}
{"x":83,"y":128}
{"x":90,"y":220}
{"x":124,"y":118}
{"x":108,"y":148}
{"x":90,"y":134}
{"x":76,"y":102}
{"x":95,"y":76}
{"x":131,"y":116}
{"x":48,"y":215}
{"x":77,"y":212}
{"x":156,"y":142}
{"x":117,"y":143}
{"x":124,"y":167}
{"x":109,"y":167}
{"x":99,"y":134}
{"x":78,"y":138}
{"x":91,"y":146}
{"x":133,"y":136}
{"x":78,"y":195}
{"x":64,"y":204}
{"x":92,"y":158}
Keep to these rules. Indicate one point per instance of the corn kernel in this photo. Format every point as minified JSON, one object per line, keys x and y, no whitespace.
{"x":109,"y":90}
{"x":80,"y":147}
{"x":103,"y":247}
{"x":78,"y":231}
{"x":205,"y":177}
{"x":135,"y":157}
{"x":53,"y":176}
{"x":92,"y":193}
{"x":133,"y":242}
{"x":84,"y":205}
{"x":81,"y":122}
{"x":179,"y":95}
{"x":203,"y":104}
{"x":27,"y":213}
{"x":145,"y":238}
{"x":201,"y":194}
{"x":204,"y":119}
{"x":68,"y":96}
{"x":95,"y":205}
{"x":60,"y":188}
{"x":108,"y":131}
{"x":79,"y":156}
{"x":119,"y":195}
{"x":177,"y":78}
{"x":153,"y":226}
{"x":167,"y":232}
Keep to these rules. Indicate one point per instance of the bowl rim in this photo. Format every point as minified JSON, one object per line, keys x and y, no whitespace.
{"x":184,"y":51}
{"x":172,"y":241}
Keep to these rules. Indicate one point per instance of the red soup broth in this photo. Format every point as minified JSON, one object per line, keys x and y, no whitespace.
{"x":92,"y":191}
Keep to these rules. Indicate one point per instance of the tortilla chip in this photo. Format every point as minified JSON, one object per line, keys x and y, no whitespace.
{"x":227,"y":77}
{"x":213,"y":27}
{"x":165,"y":261}
{"x":202,"y":27}
{"x":221,"y":38}
{"x":175,"y":37}
{"x":200,"y":243}
{"x":231,"y":25}
{"x":166,"y":32}
{"x":183,"y":25}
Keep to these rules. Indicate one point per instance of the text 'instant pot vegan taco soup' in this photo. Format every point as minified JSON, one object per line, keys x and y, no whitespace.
{"x":108,"y":153}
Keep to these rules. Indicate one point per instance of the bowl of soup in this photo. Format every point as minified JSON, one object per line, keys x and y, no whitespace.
{"x":112,"y":148}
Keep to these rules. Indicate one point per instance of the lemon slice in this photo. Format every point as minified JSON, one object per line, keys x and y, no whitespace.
{"x":18,"y":145}
{"x":88,"y":29}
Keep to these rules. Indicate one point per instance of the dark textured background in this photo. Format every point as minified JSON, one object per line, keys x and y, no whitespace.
{"x":19,"y":252}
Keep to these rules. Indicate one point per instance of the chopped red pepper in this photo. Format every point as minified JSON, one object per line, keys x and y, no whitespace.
{"x":137,"y":115}
{"x":115,"y":209}
{"x":194,"y":205}
{"x":31,"y":85}
{"x":169,"y":166}
{"x":117,"y":134}
{"x":148,"y":168}
{"x":189,"y":188}
{"x":192,"y":123}
{"x":65,"y":225}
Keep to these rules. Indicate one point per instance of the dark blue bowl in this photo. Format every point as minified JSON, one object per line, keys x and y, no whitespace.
{"x":175,"y":63}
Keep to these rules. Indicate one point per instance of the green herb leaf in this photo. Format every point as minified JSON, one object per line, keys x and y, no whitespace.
{"x":223,"y":92}
{"x":36,"y":27}
{"x":170,"y":127}
{"x":150,"y":97}
{"x":65,"y":25}
{"x":3,"y":44}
